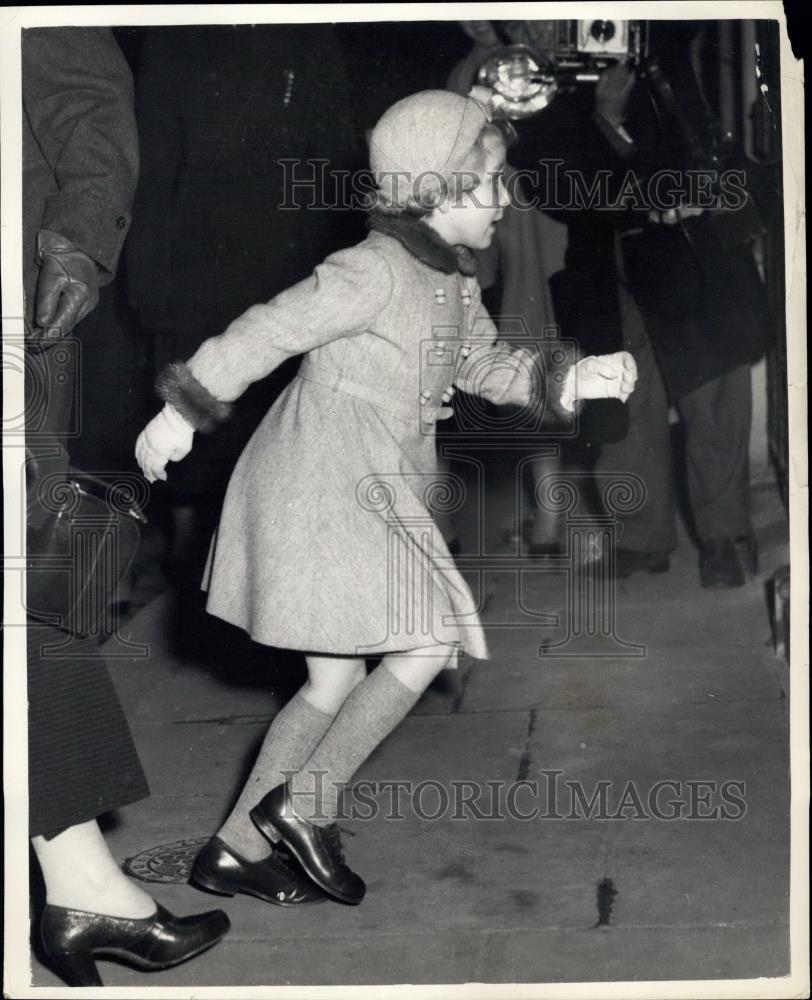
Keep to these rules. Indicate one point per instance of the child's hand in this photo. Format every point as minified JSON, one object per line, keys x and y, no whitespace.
{"x":166,"y":438}
{"x":607,"y":376}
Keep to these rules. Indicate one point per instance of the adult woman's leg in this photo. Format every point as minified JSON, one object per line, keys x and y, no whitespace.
{"x":82,"y":762}
{"x":92,"y":908}
{"x":79,"y":872}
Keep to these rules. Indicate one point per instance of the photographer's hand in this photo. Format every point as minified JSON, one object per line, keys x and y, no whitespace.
{"x":612,"y":93}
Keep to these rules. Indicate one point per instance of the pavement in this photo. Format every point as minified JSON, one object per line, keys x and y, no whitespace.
{"x":668,"y":683}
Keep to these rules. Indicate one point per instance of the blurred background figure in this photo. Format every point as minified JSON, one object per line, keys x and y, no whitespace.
{"x":515,"y":276}
{"x":679,"y":289}
{"x":230,"y":119}
{"x":388,"y":60}
{"x":80,"y":163}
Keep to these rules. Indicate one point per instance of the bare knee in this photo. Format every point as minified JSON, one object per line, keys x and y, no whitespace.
{"x":330,"y":680}
{"x":417,"y":668}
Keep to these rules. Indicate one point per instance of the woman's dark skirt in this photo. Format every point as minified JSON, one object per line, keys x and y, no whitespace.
{"x":82,"y":761}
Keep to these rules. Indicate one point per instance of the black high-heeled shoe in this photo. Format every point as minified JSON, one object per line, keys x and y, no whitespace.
{"x":71,"y":940}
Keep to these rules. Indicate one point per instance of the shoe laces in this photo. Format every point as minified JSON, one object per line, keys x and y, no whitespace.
{"x":332,"y":836}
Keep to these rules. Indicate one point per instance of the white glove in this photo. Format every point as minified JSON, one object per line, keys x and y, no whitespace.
{"x":606,"y":376}
{"x":166,"y":438}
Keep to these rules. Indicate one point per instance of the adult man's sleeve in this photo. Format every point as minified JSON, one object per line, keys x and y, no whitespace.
{"x":78,"y":102}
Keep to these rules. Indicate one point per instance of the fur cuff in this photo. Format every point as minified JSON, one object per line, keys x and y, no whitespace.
{"x":177,"y":386}
{"x":559,"y":359}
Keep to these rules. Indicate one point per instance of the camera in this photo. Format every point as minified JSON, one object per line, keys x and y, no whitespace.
{"x":525,"y":77}
{"x":584,"y":48}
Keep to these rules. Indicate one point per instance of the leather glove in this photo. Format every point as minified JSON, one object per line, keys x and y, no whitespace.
{"x":67,"y":287}
{"x":605,"y":376}
{"x":166,"y":438}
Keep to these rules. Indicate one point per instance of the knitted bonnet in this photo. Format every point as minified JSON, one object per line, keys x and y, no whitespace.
{"x":423,"y":138}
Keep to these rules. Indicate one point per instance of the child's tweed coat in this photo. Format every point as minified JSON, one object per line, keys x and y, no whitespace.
{"x":326,"y":542}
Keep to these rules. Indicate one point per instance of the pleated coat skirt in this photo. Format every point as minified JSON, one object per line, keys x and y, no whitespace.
{"x":327,"y":541}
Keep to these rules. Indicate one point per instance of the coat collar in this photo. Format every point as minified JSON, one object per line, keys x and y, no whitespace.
{"x":424,"y":243}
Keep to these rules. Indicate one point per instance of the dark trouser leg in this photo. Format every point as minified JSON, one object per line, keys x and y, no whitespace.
{"x":645,"y":451}
{"x":717,"y":419}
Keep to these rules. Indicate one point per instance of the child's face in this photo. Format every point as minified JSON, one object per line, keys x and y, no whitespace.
{"x":471,"y":219}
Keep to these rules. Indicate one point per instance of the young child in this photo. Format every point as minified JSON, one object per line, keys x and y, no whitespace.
{"x":323,"y":544}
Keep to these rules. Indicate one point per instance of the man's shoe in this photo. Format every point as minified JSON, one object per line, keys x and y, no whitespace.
{"x":219,"y":868}
{"x":316,"y":848}
{"x":720,"y":564}
{"x":748,"y":553}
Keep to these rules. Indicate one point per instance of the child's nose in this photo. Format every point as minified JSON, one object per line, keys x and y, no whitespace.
{"x":504,"y":196}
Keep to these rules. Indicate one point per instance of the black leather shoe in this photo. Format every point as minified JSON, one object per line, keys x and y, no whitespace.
{"x":720,"y":564}
{"x":71,"y":940}
{"x":219,"y":868}
{"x":316,"y":848}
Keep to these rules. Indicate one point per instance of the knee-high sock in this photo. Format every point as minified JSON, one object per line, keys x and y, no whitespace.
{"x":292,"y":737}
{"x":372,"y":710}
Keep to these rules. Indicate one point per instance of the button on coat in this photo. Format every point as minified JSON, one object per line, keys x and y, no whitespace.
{"x":327,"y":541}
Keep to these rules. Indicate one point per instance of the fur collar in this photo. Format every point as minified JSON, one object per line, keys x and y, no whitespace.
{"x":424,"y":243}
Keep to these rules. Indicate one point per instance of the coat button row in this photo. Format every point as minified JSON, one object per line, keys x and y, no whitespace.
{"x":425,"y":395}
{"x":440,"y":347}
{"x":440,"y":296}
